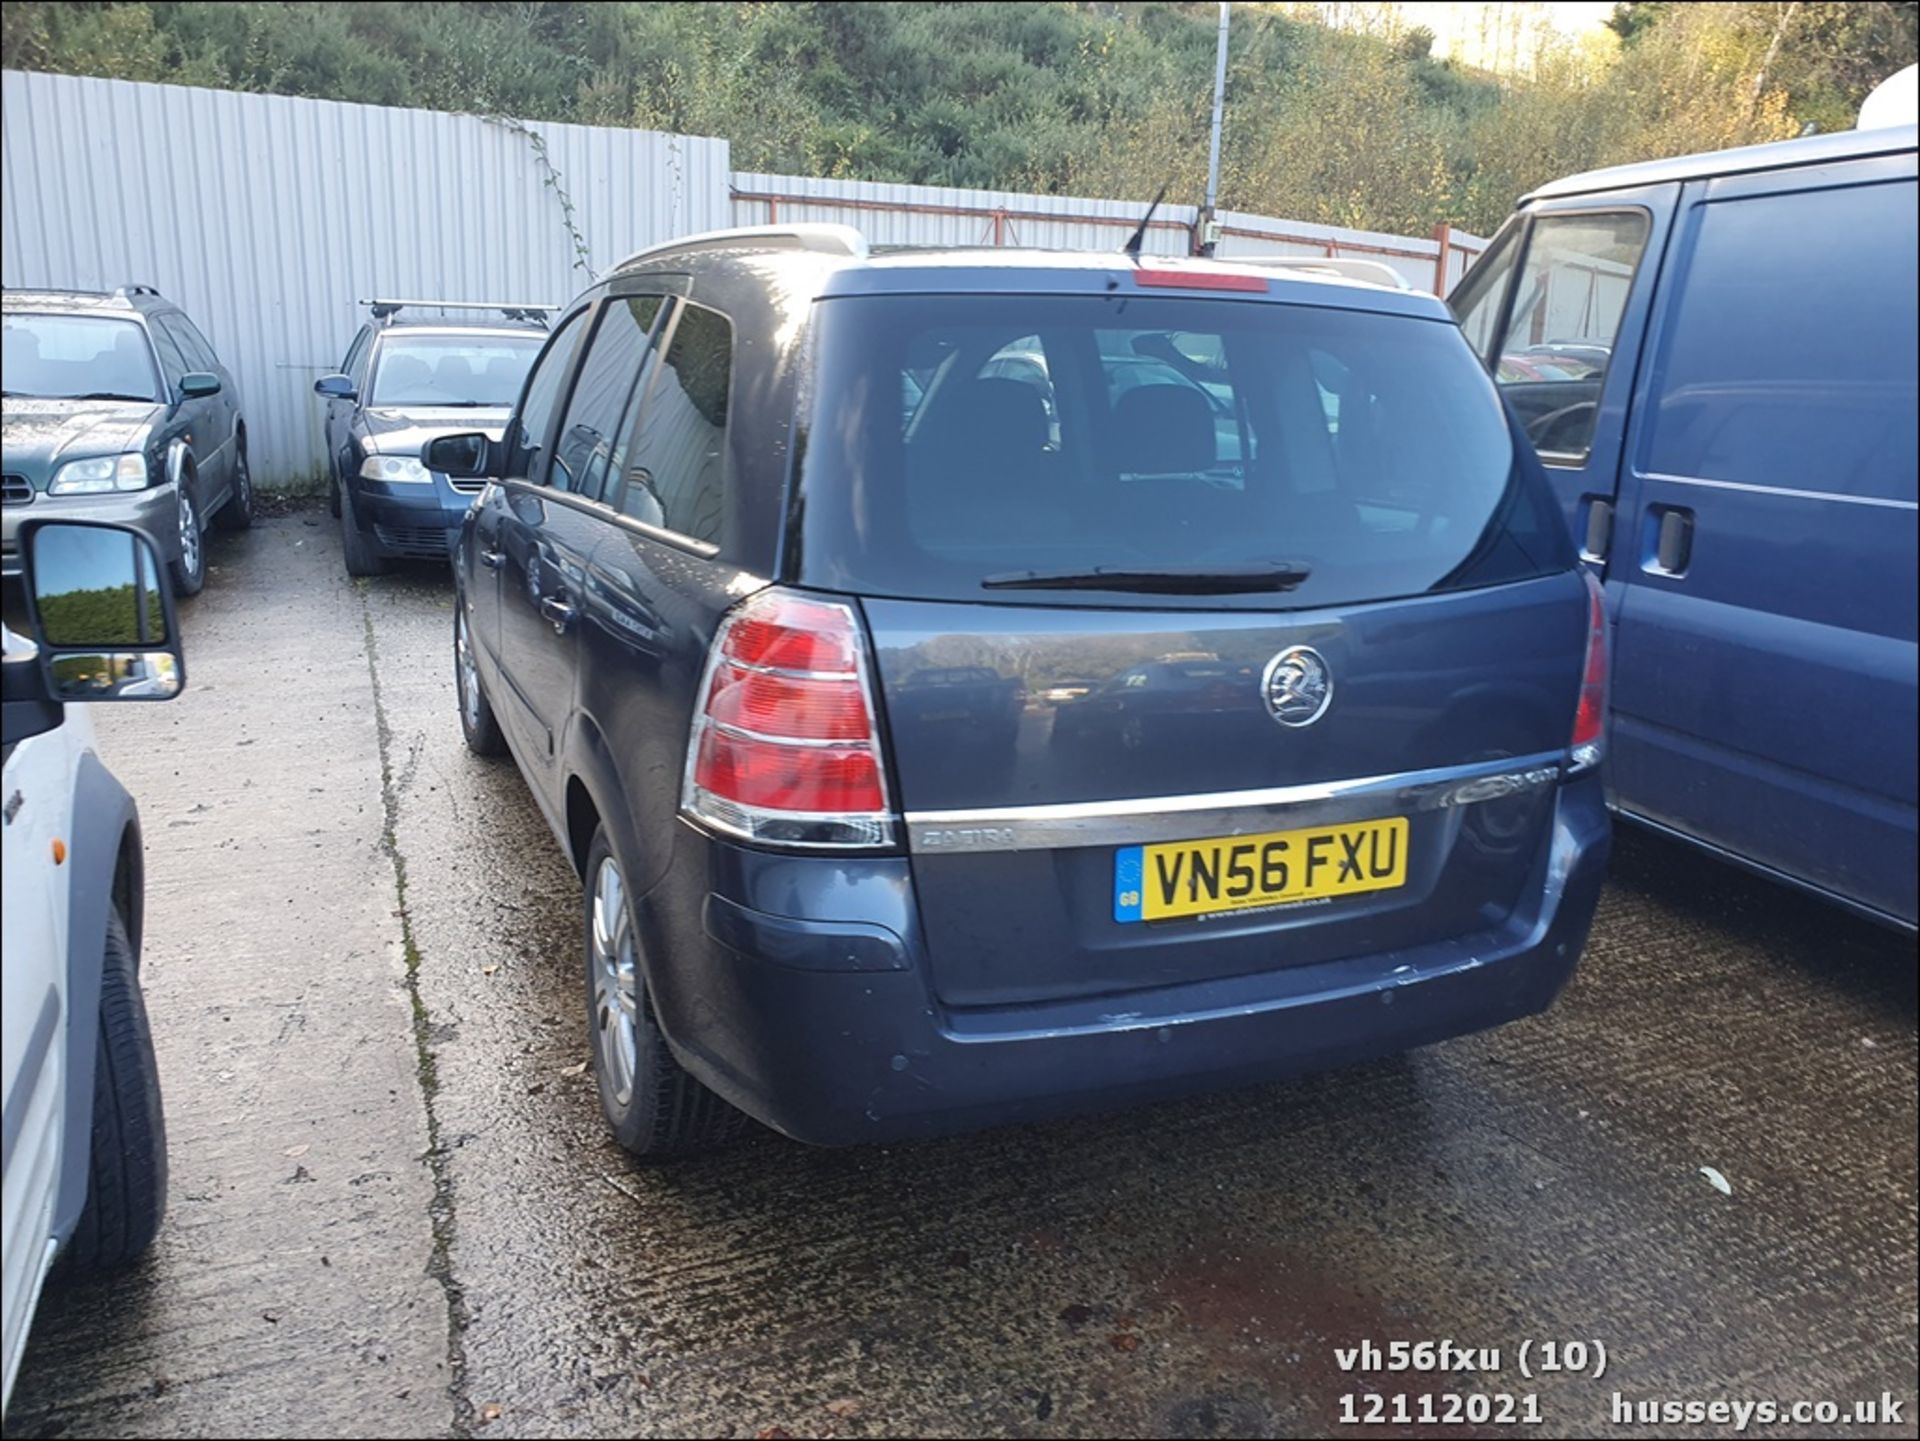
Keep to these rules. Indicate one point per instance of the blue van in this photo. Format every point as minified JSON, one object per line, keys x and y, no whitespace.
{"x":1715,"y":358}
{"x":975,"y":685}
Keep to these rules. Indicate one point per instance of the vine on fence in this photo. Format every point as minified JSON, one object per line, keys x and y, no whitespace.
{"x":550,"y":177}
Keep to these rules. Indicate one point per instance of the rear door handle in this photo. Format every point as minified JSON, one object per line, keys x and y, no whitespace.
{"x":1673,"y":541}
{"x":1599,"y":537}
{"x":558,"y":610}
{"x":492,"y":559}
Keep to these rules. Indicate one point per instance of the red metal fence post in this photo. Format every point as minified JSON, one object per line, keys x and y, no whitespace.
{"x":1442,"y":237}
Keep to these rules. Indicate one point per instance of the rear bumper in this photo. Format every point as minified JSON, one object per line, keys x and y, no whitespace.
{"x":409,"y":521}
{"x":829,"y":1031}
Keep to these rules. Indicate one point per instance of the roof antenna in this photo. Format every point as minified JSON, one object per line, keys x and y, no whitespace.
{"x":1132,"y":247}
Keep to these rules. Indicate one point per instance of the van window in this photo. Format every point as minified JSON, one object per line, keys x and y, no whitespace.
{"x":675,"y":463}
{"x":1476,"y":303}
{"x":1072,"y":433}
{"x":1789,"y":359}
{"x":534,"y":421}
{"x":1567,"y":304}
{"x":592,"y":443}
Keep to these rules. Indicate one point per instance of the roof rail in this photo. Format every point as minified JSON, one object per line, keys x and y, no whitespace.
{"x":136,"y":289}
{"x":512,"y":309}
{"x":821,"y":238}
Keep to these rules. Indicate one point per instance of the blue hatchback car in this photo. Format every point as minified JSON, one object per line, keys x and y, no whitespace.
{"x":974,"y":686}
{"x":1715,"y":357}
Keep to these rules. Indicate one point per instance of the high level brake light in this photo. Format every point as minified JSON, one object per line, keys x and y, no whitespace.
{"x":785,"y":746}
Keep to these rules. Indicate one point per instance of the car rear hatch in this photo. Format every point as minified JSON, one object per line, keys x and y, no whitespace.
{"x":1211,"y":635}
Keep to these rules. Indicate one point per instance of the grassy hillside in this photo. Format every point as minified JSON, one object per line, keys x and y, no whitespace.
{"x":1091,"y":98}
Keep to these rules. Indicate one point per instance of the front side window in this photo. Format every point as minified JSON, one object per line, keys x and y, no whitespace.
{"x":1476,"y":301}
{"x":357,"y":356}
{"x":1365,"y":453}
{"x":196,"y":345}
{"x":592,"y":443}
{"x":675,"y":463}
{"x":452,"y":371}
{"x":187,"y":342}
{"x":1568,"y":300}
{"x":531,"y":432}
{"x":77,"y":357}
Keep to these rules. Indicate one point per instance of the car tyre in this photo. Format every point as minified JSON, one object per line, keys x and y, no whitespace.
{"x":189,"y":572}
{"x":127,"y":1172}
{"x":360,"y":555}
{"x":237,"y":513}
{"x":655,"y":1108}
{"x":477,"y":721}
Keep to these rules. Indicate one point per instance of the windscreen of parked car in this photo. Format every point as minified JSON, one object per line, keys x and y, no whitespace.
{"x":76,"y":357}
{"x":956,"y":443}
{"x":452,"y":370}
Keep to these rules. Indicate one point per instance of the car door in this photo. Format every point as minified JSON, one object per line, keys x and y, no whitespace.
{"x":548,"y":524}
{"x":1764,"y":671}
{"x":189,"y":440}
{"x":213,"y":417}
{"x":339,"y":413}
{"x":37,"y":775}
{"x":1557,"y":310}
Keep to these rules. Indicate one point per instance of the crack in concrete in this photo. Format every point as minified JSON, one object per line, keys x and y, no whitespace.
{"x":440,"y":1211}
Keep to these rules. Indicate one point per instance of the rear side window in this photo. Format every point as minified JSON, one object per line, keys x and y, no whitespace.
{"x":962,"y":439}
{"x":592,"y":443}
{"x":675,"y":462}
{"x":1789,"y":359}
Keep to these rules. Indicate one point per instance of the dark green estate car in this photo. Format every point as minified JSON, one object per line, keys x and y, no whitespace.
{"x":116,"y":409}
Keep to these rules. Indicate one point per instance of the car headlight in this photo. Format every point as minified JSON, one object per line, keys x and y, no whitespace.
{"x":395,"y":468}
{"x":102,"y":474}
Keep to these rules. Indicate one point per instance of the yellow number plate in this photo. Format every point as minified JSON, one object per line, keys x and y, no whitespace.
{"x":1194,"y":878}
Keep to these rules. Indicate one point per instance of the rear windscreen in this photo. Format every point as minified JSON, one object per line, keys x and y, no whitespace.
{"x":954,"y":440}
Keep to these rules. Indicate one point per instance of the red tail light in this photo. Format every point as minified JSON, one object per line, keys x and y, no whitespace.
{"x":785,"y":747}
{"x":1590,"y":720}
{"x":1200,"y":280}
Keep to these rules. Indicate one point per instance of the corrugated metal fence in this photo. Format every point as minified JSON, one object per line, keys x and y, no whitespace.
{"x":267,"y":217}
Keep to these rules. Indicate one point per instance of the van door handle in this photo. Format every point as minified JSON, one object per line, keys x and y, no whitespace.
{"x":1599,"y":537}
{"x":558,"y":610}
{"x":492,"y":559}
{"x":1674,"y":541}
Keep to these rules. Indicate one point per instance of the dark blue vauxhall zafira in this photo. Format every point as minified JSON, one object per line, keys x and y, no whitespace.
{"x":978,"y":686}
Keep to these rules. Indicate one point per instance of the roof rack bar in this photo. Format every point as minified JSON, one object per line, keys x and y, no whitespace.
{"x":516,"y":309}
{"x":823,"y":238}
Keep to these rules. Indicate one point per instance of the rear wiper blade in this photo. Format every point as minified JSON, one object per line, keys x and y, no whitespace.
{"x":1170,"y":580}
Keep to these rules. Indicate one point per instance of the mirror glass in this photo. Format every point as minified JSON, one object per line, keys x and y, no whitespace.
{"x":96,"y":587}
{"x":115,"y":675}
{"x":463,"y":456}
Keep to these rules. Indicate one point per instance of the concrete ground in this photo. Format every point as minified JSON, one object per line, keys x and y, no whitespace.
{"x":395,"y":1210}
